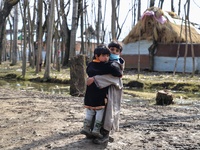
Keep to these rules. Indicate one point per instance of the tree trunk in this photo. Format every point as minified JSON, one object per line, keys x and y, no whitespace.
{"x":4,"y":58}
{"x":49,"y":40}
{"x":31,"y":35}
{"x":78,"y":75}
{"x":82,"y":51}
{"x":15,"y":39}
{"x":65,"y":34}
{"x":152,"y":3}
{"x":172,"y":5}
{"x":160,"y":5}
{"x":39,"y":42}
{"x":99,"y":21}
{"x":103,"y":24}
{"x":74,"y":28}
{"x":134,"y":13}
{"x":8,"y":5}
{"x":11,"y":39}
{"x":25,"y":35}
{"x":56,"y":61}
{"x":179,"y":7}
{"x":113,"y":19}
{"x":139,"y":10}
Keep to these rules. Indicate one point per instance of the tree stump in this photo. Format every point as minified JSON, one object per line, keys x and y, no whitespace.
{"x":164,"y":97}
{"x":78,"y":75}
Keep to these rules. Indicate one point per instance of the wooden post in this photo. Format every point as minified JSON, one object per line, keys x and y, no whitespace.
{"x":177,"y":55}
{"x":78,"y":75}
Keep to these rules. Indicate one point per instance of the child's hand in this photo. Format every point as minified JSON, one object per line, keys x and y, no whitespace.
{"x":90,"y":81}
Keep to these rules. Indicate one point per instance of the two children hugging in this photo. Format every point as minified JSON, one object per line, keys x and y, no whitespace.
{"x":95,"y":99}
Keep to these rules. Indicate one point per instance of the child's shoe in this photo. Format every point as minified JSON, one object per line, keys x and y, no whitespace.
{"x":86,"y":128}
{"x":96,"y":130}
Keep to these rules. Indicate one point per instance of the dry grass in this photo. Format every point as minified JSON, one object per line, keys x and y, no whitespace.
{"x":153,"y":81}
{"x":5,"y":68}
{"x":186,"y":85}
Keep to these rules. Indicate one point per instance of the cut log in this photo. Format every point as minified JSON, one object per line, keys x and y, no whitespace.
{"x":164,"y":97}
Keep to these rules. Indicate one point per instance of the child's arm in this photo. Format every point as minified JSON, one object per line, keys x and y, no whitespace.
{"x":115,"y":69}
{"x":102,"y":81}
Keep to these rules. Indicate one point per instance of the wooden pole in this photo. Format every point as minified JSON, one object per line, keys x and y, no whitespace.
{"x":139,"y":55}
{"x":192,"y":51}
{"x":177,"y":55}
{"x":192,"y":47}
{"x":186,"y":43}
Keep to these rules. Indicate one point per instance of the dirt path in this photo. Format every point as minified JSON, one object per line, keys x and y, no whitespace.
{"x":38,"y":121}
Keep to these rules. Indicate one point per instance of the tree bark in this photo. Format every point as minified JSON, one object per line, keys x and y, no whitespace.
{"x":139,"y":10}
{"x":8,"y":5}
{"x":49,"y":40}
{"x":31,"y":35}
{"x":152,"y":3}
{"x":179,"y":7}
{"x":25,"y":36}
{"x":161,"y":3}
{"x":39,"y":42}
{"x":65,"y":33}
{"x":82,"y":51}
{"x":78,"y":75}
{"x":99,"y":18}
{"x":164,"y":97}
{"x":15,"y":39}
{"x":74,"y":28}
{"x":172,"y":5}
{"x":113,"y":18}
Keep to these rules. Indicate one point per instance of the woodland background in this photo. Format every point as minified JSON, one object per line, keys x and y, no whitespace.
{"x":46,"y":24}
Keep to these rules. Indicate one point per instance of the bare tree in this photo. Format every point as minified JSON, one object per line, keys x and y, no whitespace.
{"x":11,"y":38}
{"x":25,"y":38}
{"x":15,"y":37}
{"x":31,"y":29}
{"x":134,"y":13}
{"x":179,"y":7}
{"x":74,"y":28}
{"x":57,"y":39}
{"x":39,"y":42}
{"x":65,"y":32}
{"x":4,"y":12}
{"x":160,"y":4}
{"x":82,"y":51}
{"x":172,"y":6}
{"x":139,"y":9}
{"x":49,"y":39}
{"x":103,"y":23}
{"x":152,"y":3}
{"x":113,"y":19}
{"x":99,"y":18}
{"x":116,"y":27}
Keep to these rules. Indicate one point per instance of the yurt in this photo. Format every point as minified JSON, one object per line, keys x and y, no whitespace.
{"x":161,"y":41}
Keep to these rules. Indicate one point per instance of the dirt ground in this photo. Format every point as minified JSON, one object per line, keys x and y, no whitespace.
{"x":33,"y":120}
